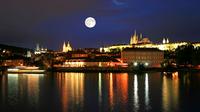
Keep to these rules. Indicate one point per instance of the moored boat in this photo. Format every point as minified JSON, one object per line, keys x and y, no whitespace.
{"x":25,"y":69}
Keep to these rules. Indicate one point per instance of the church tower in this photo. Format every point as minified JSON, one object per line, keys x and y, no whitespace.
{"x":167,"y":41}
{"x":67,"y":48}
{"x":134,"y":38}
{"x":164,"y":41}
{"x":64,"y":47}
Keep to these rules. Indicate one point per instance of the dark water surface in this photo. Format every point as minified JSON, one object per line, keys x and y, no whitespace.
{"x":93,"y":92}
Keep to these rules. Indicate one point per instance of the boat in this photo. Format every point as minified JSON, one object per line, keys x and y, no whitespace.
{"x":25,"y":69}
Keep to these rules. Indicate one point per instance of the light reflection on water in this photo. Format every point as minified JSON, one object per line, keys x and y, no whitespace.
{"x":100,"y":89}
{"x":170,"y":93}
{"x":99,"y":92}
{"x":147,"y":91}
{"x":71,"y":88}
{"x":136,"y":99}
{"x":23,"y":86}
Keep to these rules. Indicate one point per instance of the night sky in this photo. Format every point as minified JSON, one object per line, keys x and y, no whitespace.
{"x":51,"y":22}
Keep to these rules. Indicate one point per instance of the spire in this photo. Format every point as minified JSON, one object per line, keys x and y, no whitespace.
{"x":131,"y":40}
{"x":141,"y":36}
{"x":167,"y":40}
{"x":135,"y":33}
{"x":135,"y":38}
{"x":64,"y":47}
{"x":68,"y":45}
{"x":164,"y":41}
{"x":37,"y":47}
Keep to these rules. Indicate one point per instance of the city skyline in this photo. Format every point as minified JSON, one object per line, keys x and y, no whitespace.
{"x":50,"y":23}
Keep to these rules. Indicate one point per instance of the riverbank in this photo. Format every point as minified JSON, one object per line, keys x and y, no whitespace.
{"x":117,"y":69}
{"x":112,"y":69}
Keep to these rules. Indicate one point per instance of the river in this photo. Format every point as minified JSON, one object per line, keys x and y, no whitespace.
{"x":93,"y":92}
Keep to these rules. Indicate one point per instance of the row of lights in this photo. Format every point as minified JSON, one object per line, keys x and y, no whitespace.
{"x":136,"y":64}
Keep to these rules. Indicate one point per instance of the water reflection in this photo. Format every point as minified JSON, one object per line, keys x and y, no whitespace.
{"x":33,"y":88}
{"x":111,"y":89}
{"x":23,"y":86}
{"x":147,"y":91}
{"x":100,"y":89}
{"x":122,"y":86}
{"x":118,"y":90}
{"x":99,"y":92}
{"x":13,"y":89}
{"x":136,"y":97}
{"x":71,"y":87}
{"x":170,"y":92}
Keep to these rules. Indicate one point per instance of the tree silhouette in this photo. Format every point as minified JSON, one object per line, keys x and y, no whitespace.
{"x":187,"y":55}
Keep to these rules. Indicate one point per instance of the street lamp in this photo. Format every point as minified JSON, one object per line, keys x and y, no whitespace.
{"x":135,"y":63}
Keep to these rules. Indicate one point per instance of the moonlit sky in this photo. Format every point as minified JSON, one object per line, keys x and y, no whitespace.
{"x":51,"y":22}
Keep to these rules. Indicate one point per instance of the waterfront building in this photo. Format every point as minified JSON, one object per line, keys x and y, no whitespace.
{"x":12,"y":62}
{"x":149,"y":57}
{"x":79,"y":54}
{"x":100,"y":61}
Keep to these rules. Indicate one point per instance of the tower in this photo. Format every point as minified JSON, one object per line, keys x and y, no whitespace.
{"x":141,"y":36}
{"x":64,"y":47}
{"x":167,"y":41}
{"x":37,"y":47}
{"x":67,"y":47}
{"x":164,"y":41}
{"x":134,"y":38}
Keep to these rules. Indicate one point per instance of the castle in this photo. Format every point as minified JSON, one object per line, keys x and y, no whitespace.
{"x":138,"y":41}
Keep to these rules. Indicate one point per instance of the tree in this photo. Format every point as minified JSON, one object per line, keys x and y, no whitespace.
{"x":184,"y":55}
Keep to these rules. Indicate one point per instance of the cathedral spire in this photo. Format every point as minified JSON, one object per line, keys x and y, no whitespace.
{"x":135,"y":33}
{"x":141,"y":36}
{"x":131,"y":40}
{"x":164,"y":41}
{"x":167,"y":41}
{"x":64,"y":46}
{"x":134,"y":38}
{"x":67,"y":47}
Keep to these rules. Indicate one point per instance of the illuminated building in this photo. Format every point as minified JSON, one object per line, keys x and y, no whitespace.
{"x":79,"y":54}
{"x":13,"y":62}
{"x":28,"y":55}
{"x":39,"y":50}
{"x":149,"y":57}
{"x":165,"y":40}
{"x":110,"y":48}
{"x":196,"y":44}
{"x":93,"y":62}
{"x":134,"y":38}
{"x":67,"y":48}
{"x":146,"y":43}
{"x":163,"y":47}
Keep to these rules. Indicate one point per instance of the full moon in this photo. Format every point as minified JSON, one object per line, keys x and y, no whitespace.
{"x":90,"y":22}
